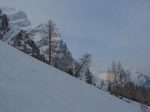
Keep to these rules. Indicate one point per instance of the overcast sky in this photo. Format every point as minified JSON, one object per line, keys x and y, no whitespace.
{"x":108,"y":29}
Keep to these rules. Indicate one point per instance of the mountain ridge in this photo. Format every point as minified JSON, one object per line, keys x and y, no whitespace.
{"x":139,"y":79}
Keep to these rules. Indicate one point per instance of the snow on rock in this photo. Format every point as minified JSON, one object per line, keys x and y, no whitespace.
{"x":28,"y":85}
{"x":17,"y":18}
{"x":11,"y":34}
{"x":38,"y":35}
{"x":137,"y":78}
{"x":17,"y":21}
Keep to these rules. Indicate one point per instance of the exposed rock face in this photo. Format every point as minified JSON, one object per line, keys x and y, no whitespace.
{"x":11,"y":23}
{"x":13,"y":26}
{"x":21,"y":35}
{"x":17,"y":18}
{"x":4,"y":22}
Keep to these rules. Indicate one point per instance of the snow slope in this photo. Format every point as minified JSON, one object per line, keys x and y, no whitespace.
{"x":28,"y":85}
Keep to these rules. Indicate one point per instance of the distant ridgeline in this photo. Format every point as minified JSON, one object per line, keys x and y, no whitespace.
{"x":45,"y":43}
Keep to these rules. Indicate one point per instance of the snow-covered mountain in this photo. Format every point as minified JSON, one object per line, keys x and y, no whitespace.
{"x":17,"y":18}
{"x":29,"y":85}
{"x":32,"y":40}
{"x":37,"y":35}
{"x":137,"y":78}
{"x":17,"y":23}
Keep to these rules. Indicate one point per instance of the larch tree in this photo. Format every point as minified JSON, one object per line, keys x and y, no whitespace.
{"x":50,"y":34}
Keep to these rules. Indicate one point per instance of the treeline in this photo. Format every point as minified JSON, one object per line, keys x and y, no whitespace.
{"x":121,"y":86}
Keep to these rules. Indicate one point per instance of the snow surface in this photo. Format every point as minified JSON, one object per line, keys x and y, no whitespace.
{"x":28,"y":85}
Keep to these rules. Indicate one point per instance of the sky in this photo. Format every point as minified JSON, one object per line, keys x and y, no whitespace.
{"x":107,"y":29}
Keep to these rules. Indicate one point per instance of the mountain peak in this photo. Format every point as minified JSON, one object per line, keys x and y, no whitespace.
{"x":17,"y":18}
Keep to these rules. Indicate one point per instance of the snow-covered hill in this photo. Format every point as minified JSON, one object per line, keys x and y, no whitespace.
{"x":28,"y":85}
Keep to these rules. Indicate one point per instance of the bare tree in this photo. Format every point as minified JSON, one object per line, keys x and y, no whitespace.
{"x":84,"y":61}
{"x":109,"y":75}
{"x":114,"y":71}
{"x":66,"y":58}
{"x":109,"y":88}
{"x":0,"y":11}
{"x":51,"y":33}
{"x":121,"y":78}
